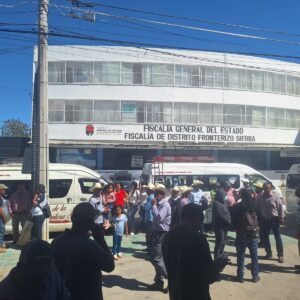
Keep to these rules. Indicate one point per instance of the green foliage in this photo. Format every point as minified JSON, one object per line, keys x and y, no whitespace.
{"x":15,"y":128}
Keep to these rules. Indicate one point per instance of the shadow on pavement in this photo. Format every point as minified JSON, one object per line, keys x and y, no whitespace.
{"x":111,"y":281}
{"x":268,"y":268}
{"x":139,"y":243}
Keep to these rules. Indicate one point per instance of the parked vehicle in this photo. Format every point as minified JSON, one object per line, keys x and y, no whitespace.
{"x":68,"y":185}
{"x":123,"y":177}
{"x":182,"y":173}
{"x":292,"y":183}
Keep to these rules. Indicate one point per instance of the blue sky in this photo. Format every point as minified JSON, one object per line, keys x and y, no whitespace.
{"x":16,"y":49}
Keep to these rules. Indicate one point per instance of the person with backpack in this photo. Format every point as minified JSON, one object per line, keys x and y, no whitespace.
{"x":247,"y":228}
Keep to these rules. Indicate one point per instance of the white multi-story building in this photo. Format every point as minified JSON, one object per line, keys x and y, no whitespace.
{"x":118,"y":107}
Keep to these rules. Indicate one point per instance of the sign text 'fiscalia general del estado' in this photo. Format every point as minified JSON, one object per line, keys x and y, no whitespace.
{"x":191,"y":133}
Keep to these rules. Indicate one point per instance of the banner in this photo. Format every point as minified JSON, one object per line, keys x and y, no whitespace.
{"x":189,"y":134}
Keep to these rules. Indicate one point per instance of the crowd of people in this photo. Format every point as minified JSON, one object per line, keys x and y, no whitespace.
{"x":176,"y":238}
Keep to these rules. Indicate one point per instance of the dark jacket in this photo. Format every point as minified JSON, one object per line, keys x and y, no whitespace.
{"x":80,"y":261}
{"x":21,"y":285}
{"x":220,"y":213}
{"x":189,"y":264}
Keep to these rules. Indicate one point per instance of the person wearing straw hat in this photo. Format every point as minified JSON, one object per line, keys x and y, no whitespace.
{"x":97,"y":202}
{"x":3,"y":189}
{"x":182,"y":201}
{"x":161,"y":211}
{"x":173,"y":202}
{"x":196,"y":196}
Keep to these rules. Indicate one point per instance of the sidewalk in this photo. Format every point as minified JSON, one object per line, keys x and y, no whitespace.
{"x":133,"y":273}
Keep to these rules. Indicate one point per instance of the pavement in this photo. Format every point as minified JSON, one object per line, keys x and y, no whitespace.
{"x":133,"y":272}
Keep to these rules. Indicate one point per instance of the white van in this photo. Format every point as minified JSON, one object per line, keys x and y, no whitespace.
{"x":68,"y":185}
{"x":292,"y":183}
{"x":181,"y":173}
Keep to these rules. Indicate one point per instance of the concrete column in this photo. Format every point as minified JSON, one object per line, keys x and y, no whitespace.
{"x":99,"y":158}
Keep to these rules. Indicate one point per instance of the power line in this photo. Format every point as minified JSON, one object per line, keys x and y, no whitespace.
{"x":141,"y":45}
{"x":201,"y":29}
{"x":196,"y":19}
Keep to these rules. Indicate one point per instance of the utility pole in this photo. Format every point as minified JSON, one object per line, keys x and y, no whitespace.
{"x":42,"y":105}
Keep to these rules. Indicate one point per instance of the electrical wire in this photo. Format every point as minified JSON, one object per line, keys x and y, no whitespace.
{"x":201,"y":29}
{"x":197,"y":20}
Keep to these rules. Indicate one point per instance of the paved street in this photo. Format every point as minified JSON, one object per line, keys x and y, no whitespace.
{"x":133,"y":273}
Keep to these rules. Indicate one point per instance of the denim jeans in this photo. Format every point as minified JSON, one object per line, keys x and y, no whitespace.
{"x":241,"y":244}
{"x":117,"y":240}
{"x":131,"y":220}
{"x":37,"y":228}
{"x":273,"y":224}
{"x":221,"y":238}
{"x":2,"y":232}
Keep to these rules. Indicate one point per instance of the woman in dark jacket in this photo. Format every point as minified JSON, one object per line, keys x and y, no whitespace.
{"x":221,"y":221}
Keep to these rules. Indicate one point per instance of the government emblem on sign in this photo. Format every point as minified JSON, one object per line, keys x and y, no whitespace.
{"x":89,"y":129}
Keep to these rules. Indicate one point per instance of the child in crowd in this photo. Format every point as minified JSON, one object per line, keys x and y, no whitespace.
{"x":120,"y":221}
{"x":109,"y":199}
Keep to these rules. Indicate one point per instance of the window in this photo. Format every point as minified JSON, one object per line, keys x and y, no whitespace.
{"x":59,"y":188}
{"x":107,"y":72}
{"x":208,"y":78}
{"x":258,"y":115}
{"x":219,"y":77}
{"x":160,"y":112}
{"x":276,"y":117}
{"x":56,"y":110}
{"x":233,"y":78}
{"x":78,"y":111}
{"x":233,"y":114}
{"x":106,"y":111}
{"x":162,"y":74}
{"x":293,"y":181}
{"x":292,"y":119}
{"x":256,"y":80}
{"x":196,"y":76}
{"x":86,"y":184}
{"x":182,"y":75}
{"x":206,"y":113}
{"x":185,"y":112}
{"x":134,"y":73}
{"x":129,"y":112}
{"x":56,"y":72}
{"x":80,"y":72}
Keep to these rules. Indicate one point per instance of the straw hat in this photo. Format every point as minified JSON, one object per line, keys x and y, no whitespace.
{"x":258,"y":184}
{"x":3,"y":186}
{"x":186,"y":189}
{"x":175,"y":189}
{"x":150,"y":186}
{"x":197,"y":182}
{"x":159,"y":186}
{"x":96,"y":185}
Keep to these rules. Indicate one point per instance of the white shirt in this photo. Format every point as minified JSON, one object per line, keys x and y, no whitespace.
{"x":37,"y":211}
{"x":97,"y":203}
{"x":134,"y":198}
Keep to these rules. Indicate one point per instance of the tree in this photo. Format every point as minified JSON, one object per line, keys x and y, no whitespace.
{"x":15,"y":128}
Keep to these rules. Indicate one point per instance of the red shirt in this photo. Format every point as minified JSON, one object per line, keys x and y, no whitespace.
{"x":120,"y":195}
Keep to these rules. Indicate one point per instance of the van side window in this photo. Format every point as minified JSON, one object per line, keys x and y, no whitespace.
{"x":86,"y":184}
{"x":59,"y":188}
{"x":12,"y":186}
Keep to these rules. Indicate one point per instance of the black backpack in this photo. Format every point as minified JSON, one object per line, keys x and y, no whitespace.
{"x":250,"y":222}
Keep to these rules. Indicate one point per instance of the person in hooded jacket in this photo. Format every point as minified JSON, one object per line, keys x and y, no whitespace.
{"x":221,"y":221}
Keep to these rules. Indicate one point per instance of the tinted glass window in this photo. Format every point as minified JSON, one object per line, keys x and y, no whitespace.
{"x":293,"y":181}
{"x":59,"y":188}
{"x":86,"y":184}
{"x":12,"y":186}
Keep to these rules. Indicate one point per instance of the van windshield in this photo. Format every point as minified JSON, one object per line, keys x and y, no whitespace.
{"x":293,"y":181}
{"x":208,"y":180}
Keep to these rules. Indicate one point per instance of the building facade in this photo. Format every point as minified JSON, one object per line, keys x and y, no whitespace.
{"x":118,"y":107}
